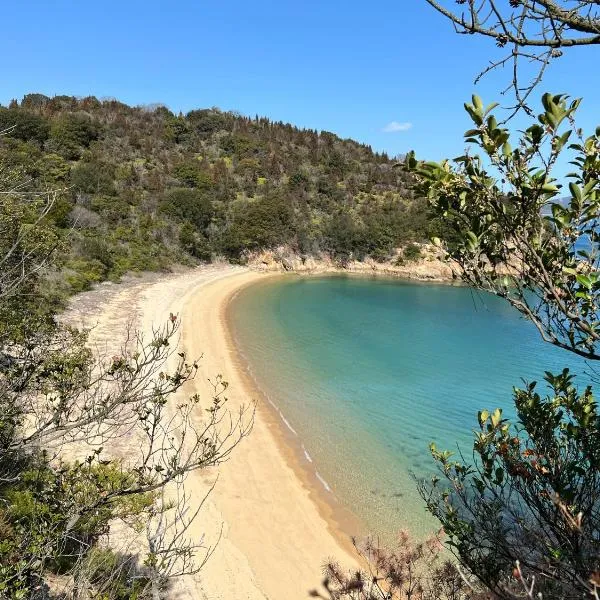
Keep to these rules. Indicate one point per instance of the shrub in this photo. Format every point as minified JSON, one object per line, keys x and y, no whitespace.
{"x":411,"y":252}
{"x":189,"y":205}
{"x":194,"y":242}
{"x":71,"y":133}
{"x":24,"y":125}
{"x":93,"y":178}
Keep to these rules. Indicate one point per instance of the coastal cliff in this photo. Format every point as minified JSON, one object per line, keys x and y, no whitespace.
{"x":430,"y":265}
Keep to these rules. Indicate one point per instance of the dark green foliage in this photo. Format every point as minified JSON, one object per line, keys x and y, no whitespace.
{"x":299,"y":182}
{"x":531,"y":496}
{"x":345,"y":236}
{"x":34,"y":101}
{"x":191,"y":205}
{"x":24,"y":125}
{"x":71,"y":133}
{"x":93,"y":178}
{"x":412,"y":252}
{"x":194,"y":242}
{"x":175,"y":128}
{"x":192,"y":175}
{"x":206,"y":122}
{"x":263,"y":223}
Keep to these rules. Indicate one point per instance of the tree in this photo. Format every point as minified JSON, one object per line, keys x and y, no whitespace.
{"x":93,"y":178}
{"x":191,"y":205}
{"x":514,"y":238}
{"x":23,"y":125}
{"x":524,"y":516}
{"x":124,"y":169}
{"x":536,"y":31}
{"x":263,"y":223}
{"x":194,"y":242}
{"x":71,"y":133}
{"x":192,"y":175}
{"x":61,"y":410}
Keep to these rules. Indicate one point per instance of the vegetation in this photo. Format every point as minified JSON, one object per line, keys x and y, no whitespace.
{"x":534,"y":32}
{"x":524,"y":517}
{"x":143,"y":188}
{"x":520,"y":240}
{"x":63,"y":489}
{"x":410,"y":570}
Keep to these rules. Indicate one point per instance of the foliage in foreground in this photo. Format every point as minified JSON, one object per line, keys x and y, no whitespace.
{"x":531,"y":496}
{"x":411,"y":570}
{"x":513,"y":234}
{"x":67,"y":493}
{"x":524,"y":516}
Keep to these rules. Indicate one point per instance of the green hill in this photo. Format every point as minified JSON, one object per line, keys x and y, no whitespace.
{"x":142,"y":188}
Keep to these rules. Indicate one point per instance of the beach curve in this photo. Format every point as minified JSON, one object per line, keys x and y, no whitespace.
{"x":274,"y":534}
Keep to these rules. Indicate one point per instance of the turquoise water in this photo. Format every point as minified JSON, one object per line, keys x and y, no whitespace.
{"x":366,"y":373}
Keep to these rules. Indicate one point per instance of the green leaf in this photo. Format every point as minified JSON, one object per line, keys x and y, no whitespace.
{"x":496,"y":417}
{"x":575,"y":191}
{"x":483,"y":416}
{"x":584,"y":280}
{"x":472,"y":240}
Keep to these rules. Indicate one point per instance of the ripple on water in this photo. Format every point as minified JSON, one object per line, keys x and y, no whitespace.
{"x":367,"y":372}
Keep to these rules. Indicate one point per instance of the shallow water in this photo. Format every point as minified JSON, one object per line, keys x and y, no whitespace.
{"x":367,"y":372}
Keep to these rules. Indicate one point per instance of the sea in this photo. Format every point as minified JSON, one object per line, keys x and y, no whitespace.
{"x":364,"y":373}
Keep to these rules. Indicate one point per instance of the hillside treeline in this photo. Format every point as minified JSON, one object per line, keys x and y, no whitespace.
{"x":142,"y":188}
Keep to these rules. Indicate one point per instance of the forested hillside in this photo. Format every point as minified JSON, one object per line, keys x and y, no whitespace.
{"x":142,"y":188}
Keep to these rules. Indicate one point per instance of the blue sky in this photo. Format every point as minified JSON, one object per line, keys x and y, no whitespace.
{"x":348,"y":67}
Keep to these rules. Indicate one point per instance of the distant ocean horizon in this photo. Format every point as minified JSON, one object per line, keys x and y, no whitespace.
{"x":367,"y":372}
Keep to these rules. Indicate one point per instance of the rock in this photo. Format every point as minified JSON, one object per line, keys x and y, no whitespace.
{"x":430,"y":267}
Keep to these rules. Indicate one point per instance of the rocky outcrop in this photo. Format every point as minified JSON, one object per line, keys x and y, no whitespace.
{"x":430,"y":266}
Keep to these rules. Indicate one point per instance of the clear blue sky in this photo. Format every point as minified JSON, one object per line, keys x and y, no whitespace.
{"x":348,"y":67}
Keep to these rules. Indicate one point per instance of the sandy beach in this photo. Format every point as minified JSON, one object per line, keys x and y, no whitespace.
{"x":275,"y":530}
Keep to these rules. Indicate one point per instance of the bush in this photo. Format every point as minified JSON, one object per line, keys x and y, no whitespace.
{"x":260,"y":224}
{"x":192,"y":175}
{"x":24,"y":125}
{"x":93,"y":178}
{"x":531,"y":497}
{"x":71,"y":133}
{"x":185,"y":204}
{"x":346,"y":237}
{"x":194,"y":242}
{"x":412,"y":252}
{"x":86,"y":272}
{"x":114,"y":575}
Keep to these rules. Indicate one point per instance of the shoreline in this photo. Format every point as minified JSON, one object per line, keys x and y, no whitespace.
{"x":274,"y":521}
{"x":431,"y":267}
{"x":263,"y":524}
{"x":341,"y":521}
{"x":278,"y":522}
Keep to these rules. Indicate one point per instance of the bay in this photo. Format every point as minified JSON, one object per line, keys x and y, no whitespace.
{"x":367,"y":372}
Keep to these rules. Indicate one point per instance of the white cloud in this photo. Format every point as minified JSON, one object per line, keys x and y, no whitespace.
{"x":395,"y":126}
